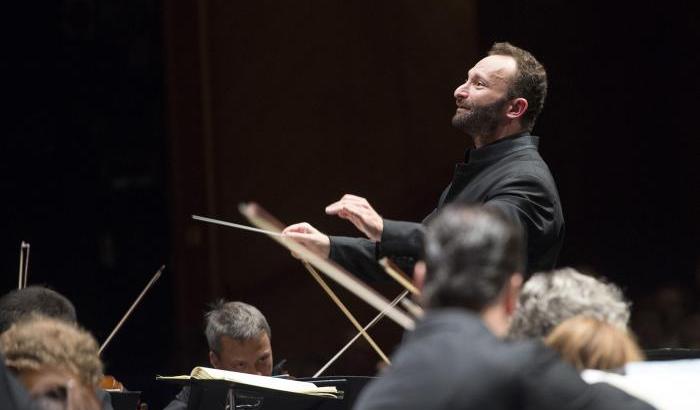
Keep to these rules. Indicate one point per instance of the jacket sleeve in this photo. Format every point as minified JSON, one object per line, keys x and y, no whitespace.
{"x":401,"y":241}
{"x":358,"y":256}
{"x":181,"y":401}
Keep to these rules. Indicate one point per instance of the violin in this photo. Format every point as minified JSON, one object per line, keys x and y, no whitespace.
{"x":111,"y":383}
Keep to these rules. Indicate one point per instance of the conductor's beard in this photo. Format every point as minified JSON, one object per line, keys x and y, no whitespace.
{"x":479,"y":120}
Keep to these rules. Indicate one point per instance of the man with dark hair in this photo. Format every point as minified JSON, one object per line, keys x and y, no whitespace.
{"x":19,"y":303}
{"x":239,"y":337}
{"x":455,"y":358}
{"x":497,"y":107}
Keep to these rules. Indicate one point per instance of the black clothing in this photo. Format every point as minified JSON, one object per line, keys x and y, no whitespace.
{"x":13,"y":396}
{"x":180,"y":401}
{"x":104,"y":398}
{"x":452,"y":361}
{"x":508,"y":174}
{"x":183,"y":397}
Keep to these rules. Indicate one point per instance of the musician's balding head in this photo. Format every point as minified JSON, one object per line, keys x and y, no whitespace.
{"x":239,"y":338}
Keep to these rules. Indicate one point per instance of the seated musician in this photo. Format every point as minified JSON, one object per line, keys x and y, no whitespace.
{"x":21,"y":304}
{"x":239,"y":340}
{"x":56,"y":361}
{"x":456,"y":357}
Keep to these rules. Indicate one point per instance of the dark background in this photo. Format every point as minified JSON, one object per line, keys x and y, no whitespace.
{"x":123,"y":118}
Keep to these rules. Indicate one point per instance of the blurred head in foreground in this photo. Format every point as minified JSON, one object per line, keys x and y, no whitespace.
{"x":589,"y":343}
{"x":40,"y":342}
{"x":473,"y":260}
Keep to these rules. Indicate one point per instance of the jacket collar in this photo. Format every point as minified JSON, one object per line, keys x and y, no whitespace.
{"x":502,"y":147}
{"x":452,"y":318}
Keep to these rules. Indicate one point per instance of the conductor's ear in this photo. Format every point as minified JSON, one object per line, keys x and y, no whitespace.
{"x":517,"y":108}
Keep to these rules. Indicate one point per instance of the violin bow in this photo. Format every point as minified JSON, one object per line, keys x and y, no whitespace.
{"x":276,"y":229}
{"x":261,"y":219}
{"x":344,"y":309}
{"x":396,"y":273}
{"x":23,"y":265}
{"x":133,"y":305}
{"x":376,"y":319}
{"x":399,"y":276}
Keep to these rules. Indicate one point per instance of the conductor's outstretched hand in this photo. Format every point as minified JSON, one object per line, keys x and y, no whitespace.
{"x":358,"y":211}
{"x":310,"y":237}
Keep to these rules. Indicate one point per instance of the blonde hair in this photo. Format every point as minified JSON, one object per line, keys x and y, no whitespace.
{"x":40,"y":342}
{"x":590,"y":343}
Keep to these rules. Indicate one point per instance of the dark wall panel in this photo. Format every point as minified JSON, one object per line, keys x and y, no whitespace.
{"x":291,"y":106}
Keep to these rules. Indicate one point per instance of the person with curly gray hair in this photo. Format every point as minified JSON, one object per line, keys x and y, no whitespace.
{"x":549,"y":298}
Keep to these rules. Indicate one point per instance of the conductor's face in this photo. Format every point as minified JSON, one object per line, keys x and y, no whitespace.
{"x":252,"y":356}
{"x":482,"y":99}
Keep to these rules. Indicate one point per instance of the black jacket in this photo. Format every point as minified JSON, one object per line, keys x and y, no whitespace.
{"x":13,"y":396}
{"x":452,"y":361}
{"x":508,"y":174}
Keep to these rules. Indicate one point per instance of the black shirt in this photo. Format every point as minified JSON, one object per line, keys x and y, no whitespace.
{"x":508,"y":174}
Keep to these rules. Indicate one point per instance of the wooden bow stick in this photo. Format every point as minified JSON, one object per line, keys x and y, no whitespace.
{"x":133,"y":305}
{"x":398,"y":275}
{"x":344,"y":309}
{"x":259,"y":218}
{"x":278,"y":227}
{"x":395,"y":272}
{"x":376,"y":319}
{"x":23,"y":265}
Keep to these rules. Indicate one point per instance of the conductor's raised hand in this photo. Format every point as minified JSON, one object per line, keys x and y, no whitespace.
{"x":310,"y":237}
{"x":358,"y":211}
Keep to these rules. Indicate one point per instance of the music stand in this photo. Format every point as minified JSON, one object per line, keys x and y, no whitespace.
{"x":224,"y":395}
